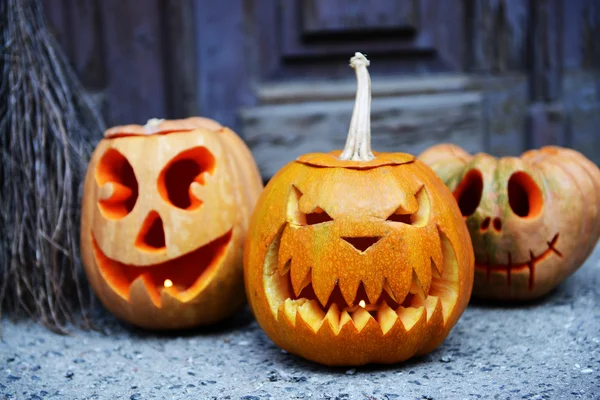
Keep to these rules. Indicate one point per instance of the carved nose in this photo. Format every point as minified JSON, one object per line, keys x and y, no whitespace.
{"x":363,"y":243}
{"x":152,"y":234}
{"x":496,"y":223}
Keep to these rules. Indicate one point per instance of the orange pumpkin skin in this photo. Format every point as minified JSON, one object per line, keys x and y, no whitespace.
{"x":307,"y":270}
{"x":533,"y":220}
{"x":165,"y":212}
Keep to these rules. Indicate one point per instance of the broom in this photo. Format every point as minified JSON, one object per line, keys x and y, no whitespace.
{"x":47,"y":130}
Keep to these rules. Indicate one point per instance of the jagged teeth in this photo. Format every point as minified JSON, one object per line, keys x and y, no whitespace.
{"x":422,"y":274}
{"x":349,"y":288}
{"x":300,"y":279}
{"x":409,"y":316}
{"x":436,"y":255}
{"x":333,"y":318}
{"x":430,"y":304}
{"x":143,"y":286}
{"x":416,"y":280}
{"x":416,"y":288}
{"x":373,"y":289}
{"x":399,"y":288}
{"x":312,"y":314}
{"x":389,"y":291}
{"x":323,"y":289}
{"x":386,"y":317}
{"x":361,"y":317}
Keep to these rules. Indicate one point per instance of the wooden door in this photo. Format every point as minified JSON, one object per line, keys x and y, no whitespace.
{"x":303,"y":88}
{"x":494,"y":75}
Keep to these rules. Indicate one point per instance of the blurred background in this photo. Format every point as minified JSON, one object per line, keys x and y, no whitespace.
{"x":489,"y":75}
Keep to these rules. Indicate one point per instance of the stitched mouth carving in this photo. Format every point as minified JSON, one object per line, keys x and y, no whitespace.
{"x":182,"y":277}
{"x":291,"y":298}
{"x":530,"y":264}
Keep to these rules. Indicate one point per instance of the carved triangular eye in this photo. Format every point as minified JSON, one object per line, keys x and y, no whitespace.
{"x":297,"y":217}
{"x":402,"y":218}
{"x":420,"y":217}
{"x":318,"y":216}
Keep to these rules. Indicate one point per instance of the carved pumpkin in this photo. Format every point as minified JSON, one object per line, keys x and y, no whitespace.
{"x":360,"y":257}
{"x":165,"y":213}
{"x":533,"y":220}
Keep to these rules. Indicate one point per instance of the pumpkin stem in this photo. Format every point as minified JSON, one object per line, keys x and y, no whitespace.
{"x":358,"y":144}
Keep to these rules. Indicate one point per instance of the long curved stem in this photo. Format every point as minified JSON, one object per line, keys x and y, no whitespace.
{"x":358,"y":144}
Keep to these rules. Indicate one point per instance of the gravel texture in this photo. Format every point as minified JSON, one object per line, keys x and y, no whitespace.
{"x":546,"y":350}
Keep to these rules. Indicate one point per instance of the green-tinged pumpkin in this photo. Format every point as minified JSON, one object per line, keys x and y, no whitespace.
{"x":533,"y":219}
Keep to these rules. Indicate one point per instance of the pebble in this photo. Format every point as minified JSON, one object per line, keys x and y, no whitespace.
{"x":351,"y":371}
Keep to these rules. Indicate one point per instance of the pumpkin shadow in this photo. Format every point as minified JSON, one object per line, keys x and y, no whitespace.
{"x":291,"y":362}
{"x":563,"y":294}
{"x":241,"y":319}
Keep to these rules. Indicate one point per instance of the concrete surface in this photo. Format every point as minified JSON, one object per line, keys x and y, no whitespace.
{"x":546,"y":350}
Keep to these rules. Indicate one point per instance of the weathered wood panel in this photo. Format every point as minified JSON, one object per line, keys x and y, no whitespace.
{"x":323,"y":90}
{"x":580,"y":86}
{"x":136,"y":62}
{"x":496,"y":35}
{"x":134,"y":51}
{"x":448,"y":38}
{"x":279,"y":133}
{"x":225,"y":59}
{"x":505,"y":101}
{"x":547,"y":125}
{"x":421,"y":40}
{"x":581,"y":94}
{"x":581,"y":21}
{"x":333,"y":16}
{"x":546,"y":119}
{"x":180,"y":58}
{"x":545,"y":45}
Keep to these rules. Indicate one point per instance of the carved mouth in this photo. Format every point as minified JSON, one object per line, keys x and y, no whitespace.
{"x":514,"y":267}
{"x":182,"y":277}
{"x":404,"y":310}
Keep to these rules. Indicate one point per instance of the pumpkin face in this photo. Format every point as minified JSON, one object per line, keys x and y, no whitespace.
{"x":533,"y":220}
{"x":165,"y":213}
{"x":357,"y":259}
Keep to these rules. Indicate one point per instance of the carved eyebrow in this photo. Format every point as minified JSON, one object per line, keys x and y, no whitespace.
{"x":420,"y":216}
{"x":296,"y":216}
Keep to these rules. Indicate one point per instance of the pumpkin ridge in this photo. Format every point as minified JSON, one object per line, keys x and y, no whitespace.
{"x":580,"y":250}
{"x":594,"y":176}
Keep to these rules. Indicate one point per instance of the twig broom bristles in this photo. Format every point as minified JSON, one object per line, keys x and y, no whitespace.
{"x":47,"y":128}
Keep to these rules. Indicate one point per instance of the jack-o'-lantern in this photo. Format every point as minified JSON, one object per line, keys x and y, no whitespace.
{"x":165,"y":212}
{"x":357,"y":257}
{"x":533,"y":220}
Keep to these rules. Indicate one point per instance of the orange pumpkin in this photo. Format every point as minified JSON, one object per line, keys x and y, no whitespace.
{"x":165,"y":213}
{"x":533,"y":220}
{"x":357,"y":257}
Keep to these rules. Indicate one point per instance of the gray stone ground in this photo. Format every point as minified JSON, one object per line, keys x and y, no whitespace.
{"x":546,"y":350}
